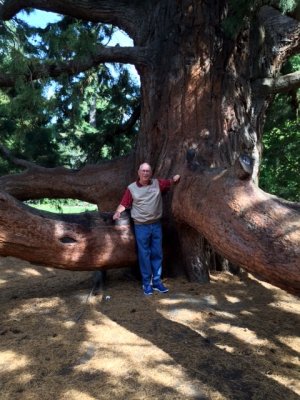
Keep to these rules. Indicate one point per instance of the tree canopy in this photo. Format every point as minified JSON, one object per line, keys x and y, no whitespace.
{"x":75,"y":119}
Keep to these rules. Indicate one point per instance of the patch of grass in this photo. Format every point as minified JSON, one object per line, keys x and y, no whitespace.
{"x":64,"y":206}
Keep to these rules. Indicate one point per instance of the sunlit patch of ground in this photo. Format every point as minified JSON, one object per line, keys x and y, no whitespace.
{"x":235,"y":338}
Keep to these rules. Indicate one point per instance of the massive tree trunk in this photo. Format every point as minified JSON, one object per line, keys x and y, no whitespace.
{"x":204,"y":98}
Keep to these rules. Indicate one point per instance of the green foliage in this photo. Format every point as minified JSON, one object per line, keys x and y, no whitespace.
{"x":287,"y":5}
{"x":90,"y":111}
{"x":237,"y":15}
{"x":292,"y":65}
{"x":280,"y":167}
{"x":74,"y":119}
{"x":280,"y":111}
{"x":281,"y":161}
{"x":65,"y":206}
{"x":24,"y":126}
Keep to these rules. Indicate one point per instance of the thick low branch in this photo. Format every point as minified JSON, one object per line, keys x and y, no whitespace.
{"x":249,"y":227}
{"x":138,"y":56}
{"x":124,"y":14}
{"x":282,"y":84}
{"x":75,"y":242}
{"x":101,"y":184}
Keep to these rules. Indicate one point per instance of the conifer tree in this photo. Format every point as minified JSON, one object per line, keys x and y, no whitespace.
{"x":209,"y":71}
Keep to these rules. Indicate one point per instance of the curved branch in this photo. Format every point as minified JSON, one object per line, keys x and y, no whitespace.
{"x":280,"y":38}
{"x":16,"y":161}
{"x":75,"y":242}
{"x":282,"y":84}
{"x":126,"y":15}
{"x":101,"y":184}
{"x":249,"y":227}
{"x":130,"y":122}
{"x":138,"y":56}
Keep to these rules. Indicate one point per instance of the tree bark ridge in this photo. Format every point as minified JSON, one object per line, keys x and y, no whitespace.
{"x":75,"y":242}
{"x":246,"y":225}
{"x":101,"y":184}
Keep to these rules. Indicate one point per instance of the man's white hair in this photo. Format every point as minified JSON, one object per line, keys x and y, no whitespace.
{"x":145,"y":164}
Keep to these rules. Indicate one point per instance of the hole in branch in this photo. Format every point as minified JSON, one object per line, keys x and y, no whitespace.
{"x":67,"y":239}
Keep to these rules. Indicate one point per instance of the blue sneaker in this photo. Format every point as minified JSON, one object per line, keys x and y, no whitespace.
{"x":148,"y":290}
{"x":160,"y":288}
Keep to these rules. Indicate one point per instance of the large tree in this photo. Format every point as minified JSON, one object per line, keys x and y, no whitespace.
{"x":208,"y":72}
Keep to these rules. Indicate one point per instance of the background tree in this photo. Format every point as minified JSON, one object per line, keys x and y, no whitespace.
{"x":279,"y":172}
{"x":72,"y":120}
{"x":205,"y":90}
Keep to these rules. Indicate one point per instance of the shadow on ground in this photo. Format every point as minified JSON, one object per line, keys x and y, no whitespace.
{"x":236,"y":338}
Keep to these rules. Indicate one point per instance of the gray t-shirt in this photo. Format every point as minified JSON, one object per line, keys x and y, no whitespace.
{"x":147,"y":202}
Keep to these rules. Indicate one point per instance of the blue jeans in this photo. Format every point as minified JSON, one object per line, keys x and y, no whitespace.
{"x":149,"y":244}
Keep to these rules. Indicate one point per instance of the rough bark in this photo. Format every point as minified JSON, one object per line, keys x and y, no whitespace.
{"x":196,"y":254}
{"x":246,"y":225}
{"x":75,"y":242}
{"x":100,"y":184}
{"x":206,"y":93}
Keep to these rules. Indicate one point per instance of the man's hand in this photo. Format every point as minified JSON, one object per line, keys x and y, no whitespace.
{"x":118,"y":212}
{"x":116,"y":215}
{"x":176,"y":178}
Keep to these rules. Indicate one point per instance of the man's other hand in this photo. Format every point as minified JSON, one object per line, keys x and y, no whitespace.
{"x":176,"y":178}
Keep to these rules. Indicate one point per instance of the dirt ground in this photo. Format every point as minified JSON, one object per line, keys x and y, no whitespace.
{"x":235,"y":338}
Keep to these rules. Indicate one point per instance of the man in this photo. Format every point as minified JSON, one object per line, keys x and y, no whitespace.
{"x":144,"y":199}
